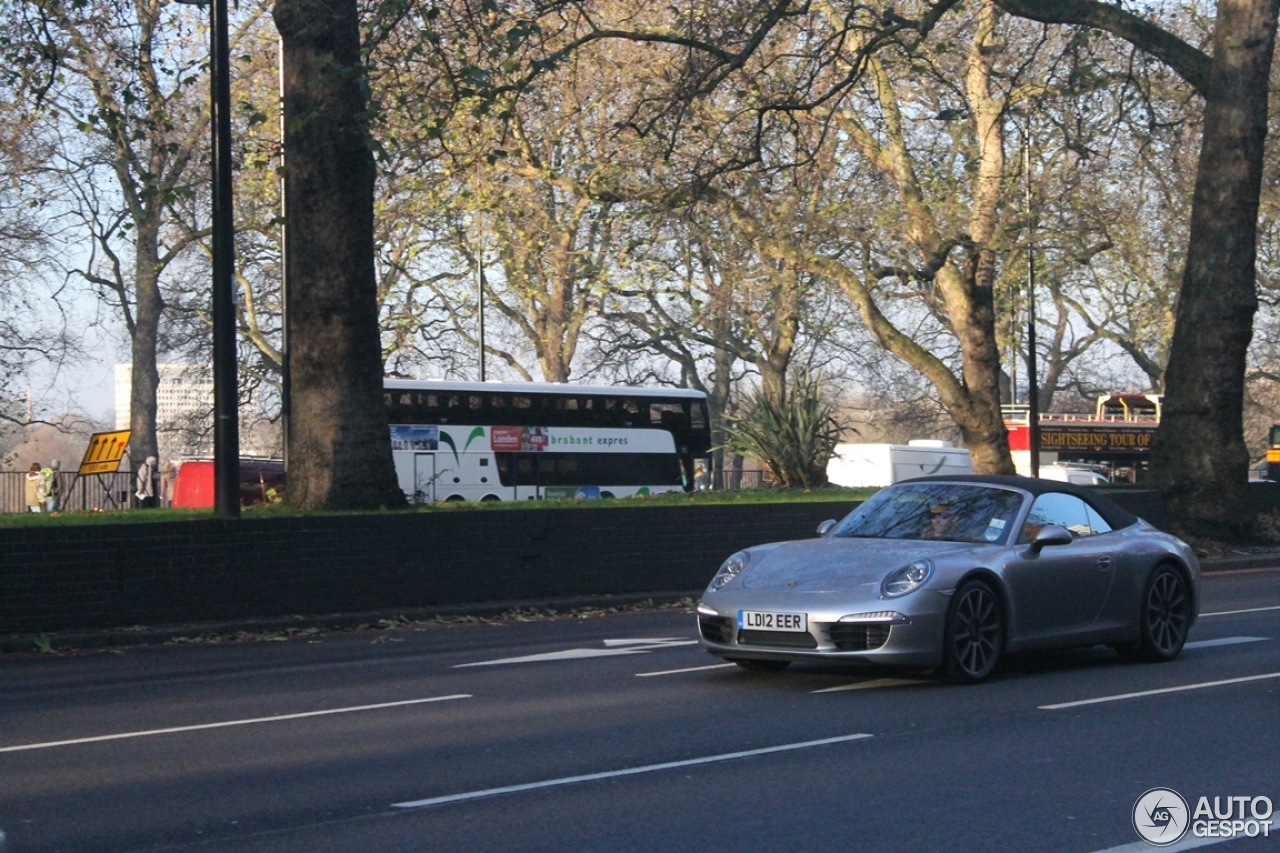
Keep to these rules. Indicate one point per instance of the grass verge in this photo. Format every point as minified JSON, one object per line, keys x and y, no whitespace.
{"x":735,"y":497}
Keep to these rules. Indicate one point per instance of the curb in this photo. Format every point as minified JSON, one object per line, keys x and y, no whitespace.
{"x":1265,"y":560}
{"x":142,"y":635}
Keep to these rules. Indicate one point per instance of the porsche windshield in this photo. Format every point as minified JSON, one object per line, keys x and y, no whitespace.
{"x":953,"y":512}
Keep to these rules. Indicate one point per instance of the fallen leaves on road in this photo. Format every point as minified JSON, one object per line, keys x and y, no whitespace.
{"x":402,"y":623}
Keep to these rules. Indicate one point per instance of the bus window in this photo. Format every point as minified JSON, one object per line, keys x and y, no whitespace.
{"x":502,"y":461}
{"x":661,"y":414}
{"x":588,"y":469}
{"x":698,"y":414}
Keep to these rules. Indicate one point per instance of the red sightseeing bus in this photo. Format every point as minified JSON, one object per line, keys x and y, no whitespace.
{"x":1116,"y":436}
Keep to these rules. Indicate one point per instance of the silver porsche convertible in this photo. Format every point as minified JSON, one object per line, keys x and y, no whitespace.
{"x":951,"y":573}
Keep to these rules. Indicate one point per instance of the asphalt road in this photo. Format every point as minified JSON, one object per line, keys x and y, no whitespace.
{"x":617,"y":734}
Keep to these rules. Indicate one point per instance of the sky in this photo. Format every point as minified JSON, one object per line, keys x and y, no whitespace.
{"x":86,"y":386}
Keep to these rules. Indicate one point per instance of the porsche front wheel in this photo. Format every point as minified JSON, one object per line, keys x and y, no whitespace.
{"x":974,"y":636}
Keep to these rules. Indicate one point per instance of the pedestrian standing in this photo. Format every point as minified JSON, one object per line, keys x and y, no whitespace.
{"x":168,"y":473}
{"x":701,"y":477}
{"x":51,"y":487}
{"x":32,"y":488}
{"x":145,"y":483}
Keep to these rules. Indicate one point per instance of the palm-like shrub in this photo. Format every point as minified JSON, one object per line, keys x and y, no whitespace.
{"x":794,"y":434}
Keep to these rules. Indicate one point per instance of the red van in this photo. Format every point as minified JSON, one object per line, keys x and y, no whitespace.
{"x":261,"y":481}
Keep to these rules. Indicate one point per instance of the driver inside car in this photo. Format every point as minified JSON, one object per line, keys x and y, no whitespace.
{"x":942,"y":522}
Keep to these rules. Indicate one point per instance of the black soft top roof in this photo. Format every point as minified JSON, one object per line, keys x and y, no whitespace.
{"x":1115,"y":515}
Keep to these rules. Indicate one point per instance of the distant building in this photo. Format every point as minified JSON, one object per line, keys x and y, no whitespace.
{"x":184,"y":412}
{"x":184,"y":407}
{"x":185,"y":390}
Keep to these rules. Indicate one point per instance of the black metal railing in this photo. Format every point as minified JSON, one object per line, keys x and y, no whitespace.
{"x":98,"y":492}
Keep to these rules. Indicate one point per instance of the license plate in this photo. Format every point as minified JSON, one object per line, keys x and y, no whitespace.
{"x":767,"y":620}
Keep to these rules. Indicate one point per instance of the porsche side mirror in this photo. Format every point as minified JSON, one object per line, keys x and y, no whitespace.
{"x":826,"y":527}
{"x":1051,"y":534}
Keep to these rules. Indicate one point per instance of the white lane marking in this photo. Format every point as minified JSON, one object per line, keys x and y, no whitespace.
{"x":686,"y":669}
{"x":1188,"y":843}
{"x":1224,"y":641}
{"x":568,"y":654}
{"x":1142,"y":693}
{"x":200,"y":727}
{"x":613,"y":649}
{"x":630,"y":771}
{"x":1238,"y":612}
{"x":659,"y":641}
{"x":867,"y":685}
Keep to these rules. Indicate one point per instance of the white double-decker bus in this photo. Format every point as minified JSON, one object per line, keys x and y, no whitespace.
{"x":485,"y":441}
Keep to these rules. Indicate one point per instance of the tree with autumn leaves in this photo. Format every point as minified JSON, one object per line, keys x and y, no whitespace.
{"x":735,"y":89}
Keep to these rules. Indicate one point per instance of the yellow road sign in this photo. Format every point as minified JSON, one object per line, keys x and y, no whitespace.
{"x":105,"y":451}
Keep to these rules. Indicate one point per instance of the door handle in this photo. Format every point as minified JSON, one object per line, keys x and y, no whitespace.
{"x":1104,"y":563}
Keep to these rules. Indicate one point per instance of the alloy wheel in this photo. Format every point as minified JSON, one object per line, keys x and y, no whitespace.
{"x":975,"y":633}
{"x":1166,"y":615}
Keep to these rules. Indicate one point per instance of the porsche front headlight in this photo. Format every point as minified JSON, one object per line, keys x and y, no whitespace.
{"x":730,"y":569}
{"x":906,"y":579}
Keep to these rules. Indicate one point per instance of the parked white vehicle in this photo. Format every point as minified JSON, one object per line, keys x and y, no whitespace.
{"x":1080,"y":475}
{"x":876,"y":465}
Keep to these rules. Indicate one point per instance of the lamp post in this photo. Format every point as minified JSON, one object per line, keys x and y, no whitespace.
{"x":479,"y":244}
{"x":286,"y":289}
{"x":226,"y":397}
{"x":1033,"y":389}
{"x":480,"y":291}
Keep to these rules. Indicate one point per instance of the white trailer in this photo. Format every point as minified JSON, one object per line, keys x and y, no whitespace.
{"x":1069,"y":472}
{"x":863,"y":465}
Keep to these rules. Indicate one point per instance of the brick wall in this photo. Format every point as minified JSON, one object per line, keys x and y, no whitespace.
{"x":72,"y":577}
{"x":111,"y":575}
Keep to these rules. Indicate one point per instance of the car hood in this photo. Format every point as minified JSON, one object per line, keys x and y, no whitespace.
{"x":827,"y":565}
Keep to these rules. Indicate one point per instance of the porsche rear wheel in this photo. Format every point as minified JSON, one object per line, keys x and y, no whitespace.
{"x":760,"y":665}
{"x":974,"y":636}
{"x":1166,"y":615}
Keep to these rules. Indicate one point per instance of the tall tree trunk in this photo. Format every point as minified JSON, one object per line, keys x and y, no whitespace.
{"x":143,"y":336}
{"x":721,"y":386}
{"x":969,"y":288}
{"x":340,"y":448}
{"x":1199,"y":459}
